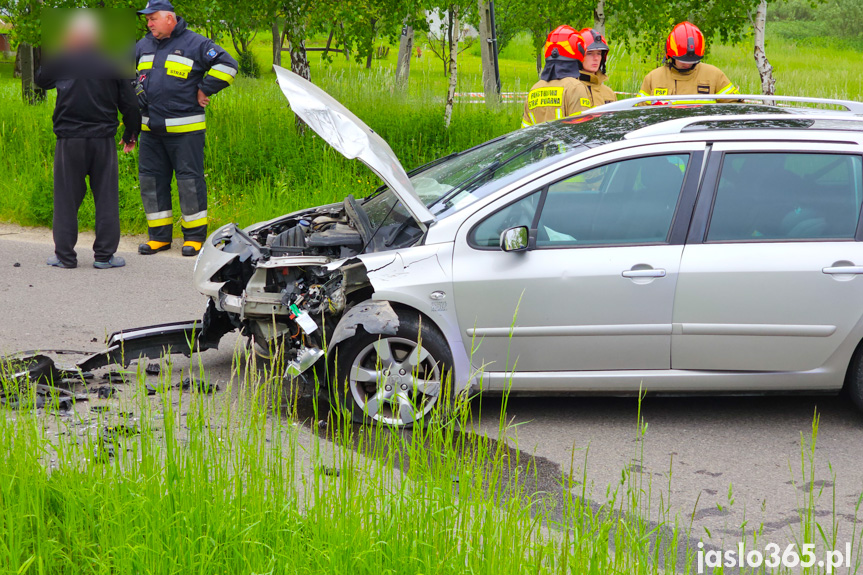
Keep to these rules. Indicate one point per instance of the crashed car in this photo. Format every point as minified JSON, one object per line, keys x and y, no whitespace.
{"x":675,"y":249}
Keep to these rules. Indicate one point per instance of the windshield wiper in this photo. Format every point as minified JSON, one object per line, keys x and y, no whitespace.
{"x":485,"y":172}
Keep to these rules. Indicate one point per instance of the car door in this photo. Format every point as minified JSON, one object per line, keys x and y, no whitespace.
{"x":770,"y":276}
{"x":595,"y":290}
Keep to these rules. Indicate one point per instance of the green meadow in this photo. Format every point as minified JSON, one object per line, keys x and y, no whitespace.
{"x":258,"y":167}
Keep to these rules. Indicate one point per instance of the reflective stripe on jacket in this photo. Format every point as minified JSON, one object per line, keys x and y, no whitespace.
{"x":702,"y":79}
{"x":172,"y":70}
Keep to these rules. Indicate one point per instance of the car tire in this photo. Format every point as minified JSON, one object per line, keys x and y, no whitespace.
{"x":399,"y":379}
{"x":853,"y":388}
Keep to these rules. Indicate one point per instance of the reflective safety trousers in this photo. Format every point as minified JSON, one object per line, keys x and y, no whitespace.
{"x":702,"y":79}
{"x":172,"y":70}
{"x":157,"y":159}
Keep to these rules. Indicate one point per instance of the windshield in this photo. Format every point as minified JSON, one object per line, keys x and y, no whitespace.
{"x":471,"y":175}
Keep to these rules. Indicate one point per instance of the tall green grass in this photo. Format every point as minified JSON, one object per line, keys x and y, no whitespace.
{"x":230,"y":485}
{"x":258,"y":167}
{"x":192,"y":483}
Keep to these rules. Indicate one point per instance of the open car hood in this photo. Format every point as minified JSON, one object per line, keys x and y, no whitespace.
{"x":351,"y":137}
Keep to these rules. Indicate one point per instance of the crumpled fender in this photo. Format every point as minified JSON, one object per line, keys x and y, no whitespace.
{"x":376,"y":316}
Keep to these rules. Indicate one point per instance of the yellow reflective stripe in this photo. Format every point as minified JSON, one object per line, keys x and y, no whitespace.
{"x":179,"y":60}
{"x":145,"y":128}
{"x":160,"y":215}
{"x":532,"y":117}
{"x":194,"y":223}
{"x":219,"y":75}
{"x":160,"y":222}
{"x":186,"y":128}
{"x":226,"y":69}
{"x":525,"y":124}
{"x":187,"y":124}
{"x":146,"y":62}
{"x":192,"y":217}
{"x":642,"y":94}
{"x":729,"y":89}
{"x":574,"y":114}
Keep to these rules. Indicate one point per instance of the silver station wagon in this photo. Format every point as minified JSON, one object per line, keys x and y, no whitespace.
{"x":677,"y":249}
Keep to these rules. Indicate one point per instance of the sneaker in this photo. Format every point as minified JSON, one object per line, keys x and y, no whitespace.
{"x":55,"y":261}
{"x":152,"y":247}
{"x":114,"y":262}
{"x":191,"y":248}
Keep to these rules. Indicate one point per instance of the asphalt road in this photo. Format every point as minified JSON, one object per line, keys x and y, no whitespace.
{"x":721,"y":465}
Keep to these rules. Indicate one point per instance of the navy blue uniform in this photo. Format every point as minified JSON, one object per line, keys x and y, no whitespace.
{"x":171,"y":71}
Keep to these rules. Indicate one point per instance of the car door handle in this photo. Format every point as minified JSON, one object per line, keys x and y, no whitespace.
{"x":842,"y":270}
{"x":653,"y":273}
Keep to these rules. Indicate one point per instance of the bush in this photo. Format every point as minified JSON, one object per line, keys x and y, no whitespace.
{"x":249,"y":66}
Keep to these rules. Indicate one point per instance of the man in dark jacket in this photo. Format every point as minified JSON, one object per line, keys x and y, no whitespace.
{"x":90,"y":91}
{"x":178,"y":72}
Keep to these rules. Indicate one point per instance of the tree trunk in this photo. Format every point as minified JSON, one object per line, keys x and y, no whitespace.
{"x":453,"y":65}
{"x":538,"y":62}
{"x":487,"y":51}
{"x":299,"y":58}
{"x":403,"y":64}
{"x":448,"y":40}
{"x":371,"y":45}
{"x":599,"y":17}
{"x":765,"y":69}
{"x":30,"y":61}
{"x":277,"y":44}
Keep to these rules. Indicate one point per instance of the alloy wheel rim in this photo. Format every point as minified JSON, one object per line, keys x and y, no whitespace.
{"x":395,"y":380}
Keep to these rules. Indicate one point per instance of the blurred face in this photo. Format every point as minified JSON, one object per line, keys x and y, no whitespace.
{"x":161,"y":24}
{"x":592,"y":60}
{"x":683,"y":65}
{"x":82,"y":32}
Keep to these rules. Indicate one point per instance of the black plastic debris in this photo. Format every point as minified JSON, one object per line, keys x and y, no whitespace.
{"x":65,"y":403}
{"x":199,"y":385}
{"x":153,"y":369}
{"x":115,"y":377}
{"x":16,"y":265}
{"x":100,"y":408}
{"x":106,"y":392}
{"x":113,"y":432}
{"x":330,"y":471}
{"x":22,"y":402}
{"x":150,"y":389}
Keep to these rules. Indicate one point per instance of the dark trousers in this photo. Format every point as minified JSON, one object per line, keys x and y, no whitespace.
{"x":74,"y":160}
{"x":159,"y":158}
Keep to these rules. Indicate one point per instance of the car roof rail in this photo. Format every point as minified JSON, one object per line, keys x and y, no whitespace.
{"x":629,"y":103}
{"x":678,"y":125}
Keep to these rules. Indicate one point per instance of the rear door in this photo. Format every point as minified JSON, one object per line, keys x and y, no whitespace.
{"x":770,"y":278}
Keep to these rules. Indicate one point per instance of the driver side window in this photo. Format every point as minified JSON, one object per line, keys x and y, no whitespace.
{"x":519,"y":213}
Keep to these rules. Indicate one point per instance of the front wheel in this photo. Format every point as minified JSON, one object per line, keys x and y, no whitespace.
{"x":398,"y":379}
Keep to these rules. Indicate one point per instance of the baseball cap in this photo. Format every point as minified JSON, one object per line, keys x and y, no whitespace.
{"x":157,"y":6}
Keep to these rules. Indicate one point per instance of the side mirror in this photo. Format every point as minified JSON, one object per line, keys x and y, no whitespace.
{"x":514,"y":239}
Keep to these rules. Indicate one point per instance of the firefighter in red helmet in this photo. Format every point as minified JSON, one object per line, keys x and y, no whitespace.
{"x":559,"y":93}
{"x":683,"y":72}
{"x":593,"y":69}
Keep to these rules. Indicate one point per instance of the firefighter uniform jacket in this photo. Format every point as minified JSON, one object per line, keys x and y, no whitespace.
{"x":172,"y":70}
{"x":597,"y":92}
{"x":556,"y":99}
{"x":701,"y":79}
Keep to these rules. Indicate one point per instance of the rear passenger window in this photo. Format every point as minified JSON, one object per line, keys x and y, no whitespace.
{"x":787,"y":196}
{"x":628,"y":202}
